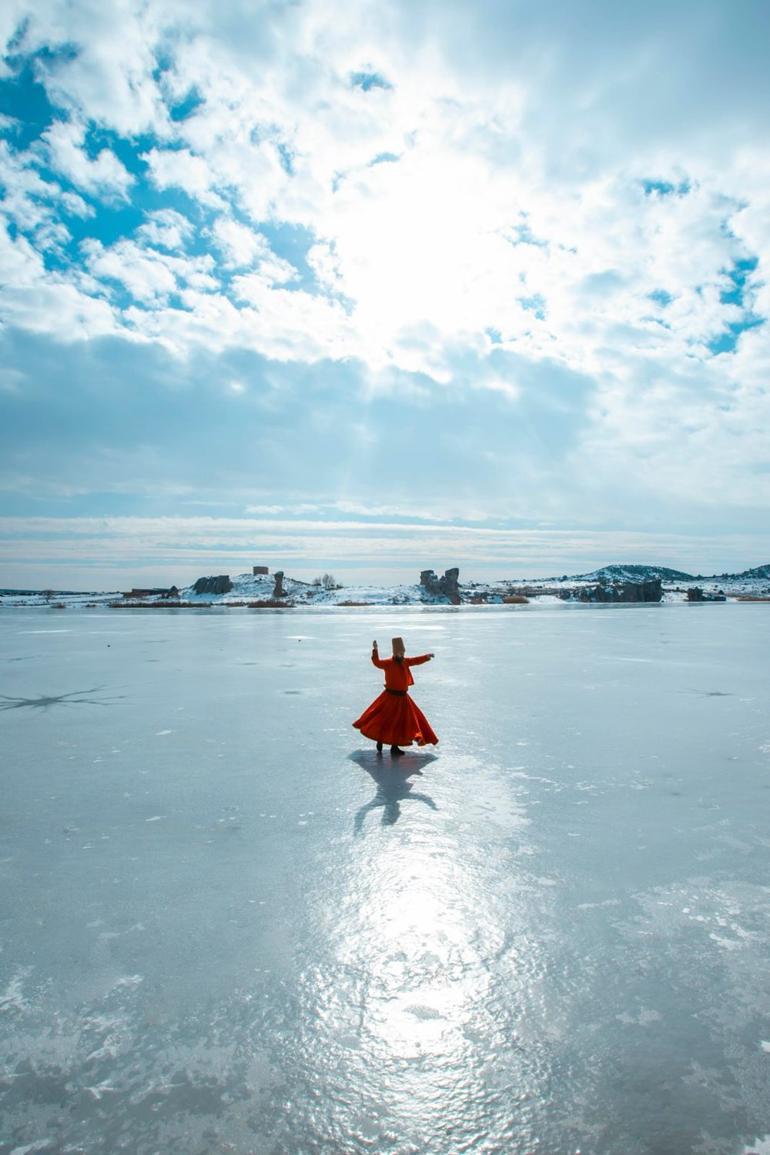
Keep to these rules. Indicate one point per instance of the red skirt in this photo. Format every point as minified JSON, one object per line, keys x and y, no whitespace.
{"x":395,"y":720}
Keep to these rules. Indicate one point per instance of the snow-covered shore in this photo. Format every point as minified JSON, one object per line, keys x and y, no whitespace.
{"x":257,"y":591}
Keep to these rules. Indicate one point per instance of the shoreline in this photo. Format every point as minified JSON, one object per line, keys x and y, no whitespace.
{"x":544,"y":603}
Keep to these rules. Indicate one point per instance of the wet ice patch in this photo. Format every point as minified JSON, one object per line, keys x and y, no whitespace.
{"x":760,"y":1146}
{"x":113,"y":1040}
{"x":128,"y":981}
{"x":101,"y":1089}
{"x":423,"y":1012}
{"x":643,"y":1019}
{"x":44,"y":631}
{"x":425,"y":629}
{"x":12,"y":998}
{"x":725,"y":943}
{"x":598,"y":905}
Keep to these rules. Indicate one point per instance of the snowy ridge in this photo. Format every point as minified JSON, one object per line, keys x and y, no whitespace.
{"x":633,"y":573}
{"x":640,"y":573}
{"x":761,"y":572}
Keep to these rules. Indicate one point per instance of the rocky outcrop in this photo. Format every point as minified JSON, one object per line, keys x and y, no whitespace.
{"x":278,"y":590}
{"x":449,"y":584}
{"x":429,"y":582}
{"x":696,"y":594}
{"x":213,"y":585}
{"x":628,"y":591}
{"x":442,"y":587}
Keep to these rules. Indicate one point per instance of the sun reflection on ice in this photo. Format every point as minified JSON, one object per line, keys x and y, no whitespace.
{"x":406,"y":935}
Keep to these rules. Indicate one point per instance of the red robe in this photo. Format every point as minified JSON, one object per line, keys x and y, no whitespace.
{"x":394,"y":719}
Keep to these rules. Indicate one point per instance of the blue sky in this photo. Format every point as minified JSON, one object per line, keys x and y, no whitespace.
{"x":401,"y":286}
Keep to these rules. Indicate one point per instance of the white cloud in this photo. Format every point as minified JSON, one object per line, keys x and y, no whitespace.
{"x":12,"y":15}
{"x":166,"y":228}
{"x":108,"y":73}
{"x":104,"y":175}
{"x":149,"y":275}
{"x":280,"y":324}
{"x":40,"y":302}
{"x":146,"y":276}
{"x":31,"y":202}
{"x":180,"y":168}
{"x":240,"y":246}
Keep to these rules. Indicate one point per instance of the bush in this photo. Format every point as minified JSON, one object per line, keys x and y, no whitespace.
{"x":326,"y":582}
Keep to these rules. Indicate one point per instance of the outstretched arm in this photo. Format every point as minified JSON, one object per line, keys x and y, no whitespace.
{"x":418,"y":661}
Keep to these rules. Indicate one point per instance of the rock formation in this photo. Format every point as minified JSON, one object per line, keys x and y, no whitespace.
{"x":213,"y":585}
{"x":646,"y":591}
{"x":696,"y":594}
{"x":442,"y":587}
{"x":278,"y":590}
{"x":429,"y":581}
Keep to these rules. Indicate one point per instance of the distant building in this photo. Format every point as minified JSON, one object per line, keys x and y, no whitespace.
{"x":259,"y":569}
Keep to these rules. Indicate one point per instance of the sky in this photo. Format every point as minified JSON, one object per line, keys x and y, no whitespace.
{"x":379,"y":287}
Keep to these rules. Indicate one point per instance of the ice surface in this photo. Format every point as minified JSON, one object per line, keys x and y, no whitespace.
{"x":228,"y":926}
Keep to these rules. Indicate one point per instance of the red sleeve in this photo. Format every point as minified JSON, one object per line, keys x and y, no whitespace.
{"x":380,"y":663}
{"x":417,"y":661}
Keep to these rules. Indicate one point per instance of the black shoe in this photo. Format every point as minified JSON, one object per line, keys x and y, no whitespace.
{"x":395,"y":751}
{"x":379,"y":747}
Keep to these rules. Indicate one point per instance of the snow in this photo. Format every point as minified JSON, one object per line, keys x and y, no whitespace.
{"x":257,"y":588}
{"x":229,"y":926}
{"x":256,"y":591}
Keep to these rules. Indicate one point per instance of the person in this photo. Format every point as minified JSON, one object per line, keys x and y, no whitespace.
{"x":393,"y":717}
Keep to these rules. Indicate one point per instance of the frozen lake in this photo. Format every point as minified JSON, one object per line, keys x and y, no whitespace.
{"x":227,"y":927}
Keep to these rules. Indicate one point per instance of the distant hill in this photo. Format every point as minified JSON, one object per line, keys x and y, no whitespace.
{"x":638,"y":573}
{"x":634,"y":573}
{"x":759,"y":571}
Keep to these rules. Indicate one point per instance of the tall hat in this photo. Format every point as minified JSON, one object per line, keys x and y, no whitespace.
{"x":399,"y":649}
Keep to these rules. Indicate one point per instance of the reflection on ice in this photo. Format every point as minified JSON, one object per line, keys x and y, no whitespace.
{"x":393,"y":785}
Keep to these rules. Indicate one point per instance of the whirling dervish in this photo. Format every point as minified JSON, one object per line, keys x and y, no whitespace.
{"x":393,"y":719}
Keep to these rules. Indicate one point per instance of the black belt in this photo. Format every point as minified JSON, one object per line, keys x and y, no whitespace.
{"x":398,"y":693}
